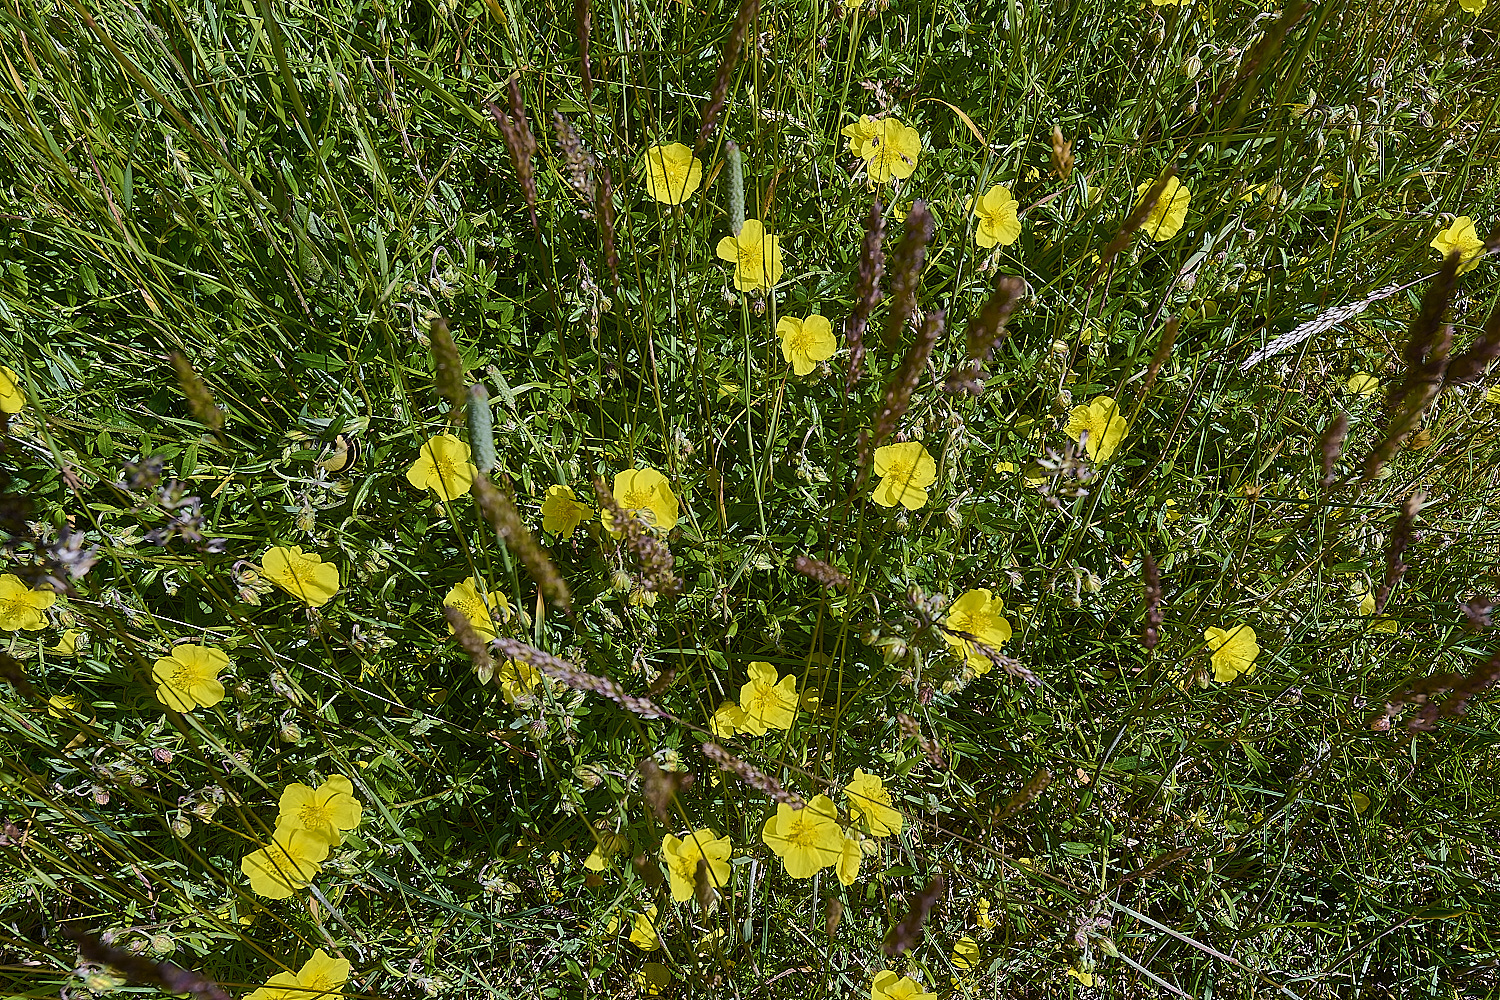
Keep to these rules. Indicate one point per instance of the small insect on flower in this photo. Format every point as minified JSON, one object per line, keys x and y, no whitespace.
{"x":443,"y":467}
{"x":1462,"y":238}
{"x":905,"y":471}
{"x":805,"y":342}
{"x":1170,"y":211}
{"x":756,"y":256}
{"x":188,"y":677}
{"x":21,"y":606}
{"x":12,"y":399}
{"x":996,"y":212}
{"x":889,"y":148}
{"x":673,"y":173}
{"x":1233,"y":652}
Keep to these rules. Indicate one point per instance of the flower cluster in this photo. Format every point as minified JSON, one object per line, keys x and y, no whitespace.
{"x":766,"y":703}
{"x":310,"y":823}
{"x":812,"y":838}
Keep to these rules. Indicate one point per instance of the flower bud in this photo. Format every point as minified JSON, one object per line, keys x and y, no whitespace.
{"x":1191,"y":67}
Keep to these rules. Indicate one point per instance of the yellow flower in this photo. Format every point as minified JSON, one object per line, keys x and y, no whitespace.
{"x":889,"y":986}
{"x":443,"y":467}
{"x":1362,"y":384}
{"x":653,"y":979}
{"x":1086,"y":978}
{"x":608,"y":845}
{"x":905,"y":471}
{"x":807,"y":840}
{"x":1473,"y":6}
{"x":996,"y":211}
{"x":646,"y":492}
{"x":869,"y":800}
{"x":982,"y":913}
{"x":1172,"y":3}
{"x":965,"y":953}
{"x":67,"y":643}
{"x":11,"y":396}
{"x":288,"y":864}
{"x":889,"y":148}
{"x":1233,"y":652}
{"x":1366,"y":600}
{"x":302,"y":574}
{"x":1386,"y":625}
{"x":63,"y":706}
{"x":642,"y":928}
{"x":756,"y":256}
{"x":188,"y":677}
{"x":1170,"y":510}
{"x":563,"y":512}
{"x":320,"y":976}
{"x":478,"y":610}
{"x":1493,"y":395}
{"x":728,"y":721}
{"x":672,"y":173}
{"x":1170,"y":210}
{"x":517,"y":679}
{"x":805,"y":342}
{"x":1101,"y":421}
{"x":767,"y":703}
{"x":980,"y":615}
{"x":681,"y":857}
{"x":327,"y":810}
{"x":21,"y":607}
{"x":1462,"y":238}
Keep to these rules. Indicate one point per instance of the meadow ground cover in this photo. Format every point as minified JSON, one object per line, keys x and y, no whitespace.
{"x":875,"y":499}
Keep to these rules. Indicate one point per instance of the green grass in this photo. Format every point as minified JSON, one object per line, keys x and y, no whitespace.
{"x":287,"y":194}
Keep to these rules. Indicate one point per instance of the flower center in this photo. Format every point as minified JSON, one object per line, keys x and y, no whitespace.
{"x":15,"y":607}
{"x":803,"y":832}
{"x":750,"y":257}
{"x":900,"y":471}
{"x":313,"y":816}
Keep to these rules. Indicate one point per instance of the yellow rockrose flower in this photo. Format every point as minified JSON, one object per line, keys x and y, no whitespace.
{"x":1233,"y":652}
{"x":889,"y":986}
{"x":870,"y":805}
{"x":647,"y":493}
{"x":287,"y":865}
{"x":1099,"y":426}
{"x":1170,"y":210}
{"x":479,"y":610}
{"x":607,"y":846}
{"x":979,"y":614}
{"x":64,"y":706}
{"x":681,"y":856}
{"x":756,"y":256}
{"x":327,"y":810}
{"x":11,"y":396}
{"x":443,"y":467}
{"x":563,"y":512}
{"x":321,"y":976}
{"x":517,"y":679}
{"x":1461,"y":238}
{"x":965,"y":953}
{"x":851,"y":853}
{"x":863,"y":135}
{"x":805,"y":342}
{"x":806,"y":840}
{"x":188,"y":677}
{"x":728,"y":720}
{"x":766,"y":702}
{"x":998,"y":223}
{"x":21,"y":607}
{"x":642,"y":928}
{"x":304,"y":575}
{"x":893,"y":151}
{"x":1474,"y":6}
{"x":67,"y":643}
{"x":905,"y":471}
{"x":1362,"y":384}
{"x":673,"y":173}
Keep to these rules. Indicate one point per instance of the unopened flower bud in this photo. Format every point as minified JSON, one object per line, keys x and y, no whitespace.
{"x":1191,"y":67}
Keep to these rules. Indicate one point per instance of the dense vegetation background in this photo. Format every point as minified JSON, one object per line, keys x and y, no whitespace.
{"x":287,"y":195}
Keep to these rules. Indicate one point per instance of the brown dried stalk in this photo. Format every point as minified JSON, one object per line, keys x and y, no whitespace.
{"x":908,"y":930}
{"x":516,"y":130}
{"x":907,"y":376}
{"x":447,"y":369}
{"x":1331,"y":446}
{"x":866,"y":292}
{"x":470,"y":641}
{"x":748,"y":12}
{"x":561,"y":670}
{"x":1062,"y":154}
{"x":1164,"y":345}
{"x":1260,"y":52}
{"x":581,"y":163}
{"x":660,"y":787}
{"x":583,"y":18}
{"x":500,"y":511}
{"x":1034,"y":787}
{"x":604,"y":211}
{"x":1457,"y":703}
{"x":1135,"y":220}
{"x":12,"y":671}
{"x":170,"y":977}
{"x":1395,"y":567}
{"x":906,"y":269}
{"x":1472,"y":364}
{"x":1477,"y":611}
{"x":821,"y":573}
{"x":199,"y":396}
{"x":912,"y":730}
{"x":988,"y":328}
{"x":1151,"y":635}
{"x":1419,"y":692}
{"x":751,"y":775}
{"x":654,"y":558}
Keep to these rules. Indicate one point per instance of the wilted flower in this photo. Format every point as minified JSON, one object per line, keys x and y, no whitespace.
{"x":681,"y":857}
{"x":480,"y":611}
{"x":905,"y":471}
{"x":1170,"y":210}
{"x":647,"y":493}
{"x":327,"y":810}
{"x":21,"y":607}
{"x":563,"y":512}
{"x":608,"y":845}
{"x":1233,"y":652}
{"x":980,"y":615}
{"x":889,"y":986}
{"x":996,"y":212}
{"x":851,"y":853}
{"x":320,"y":976}
{"x":1102,"y":422}
{"x":64,"y":706}
{"x":188,"y":677}
{"x":672,"y":173}
{"x":728,"y":720}
{"x":868,"y":800}
{"x":1461,"y":238}
{"x":805,"y":342}
{"x":11,"y":396}
{"x":443,"y":467}
{"x":290,"y":863}
{"x":808,"y":839}
{"x":304,"y":575}
{"x":766,"y":702}
{"x":756,"y":256}
{"x":67,"y":643}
